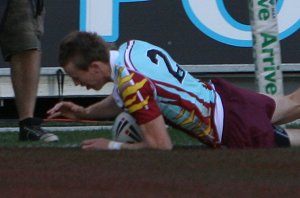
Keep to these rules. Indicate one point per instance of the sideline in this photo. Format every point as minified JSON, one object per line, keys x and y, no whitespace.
{"x":61,"y":129}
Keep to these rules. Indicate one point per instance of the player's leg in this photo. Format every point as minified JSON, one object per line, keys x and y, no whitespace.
{"x":287,"y":108}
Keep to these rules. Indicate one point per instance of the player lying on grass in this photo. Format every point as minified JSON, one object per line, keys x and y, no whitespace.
{"x":155,"y":90}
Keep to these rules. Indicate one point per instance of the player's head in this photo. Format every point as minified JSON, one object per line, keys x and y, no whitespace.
{"x":82,"y":48}
{"x":85,"y":58}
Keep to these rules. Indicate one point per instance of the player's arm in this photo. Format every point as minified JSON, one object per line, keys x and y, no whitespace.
{"x":107,"y":108}
{"x":155,"y":136}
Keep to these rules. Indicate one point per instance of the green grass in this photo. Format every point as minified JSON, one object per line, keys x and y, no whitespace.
{"x":73,"y":139}
{"x":67,"y":139}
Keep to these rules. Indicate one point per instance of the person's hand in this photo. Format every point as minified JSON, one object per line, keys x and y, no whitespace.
{"x":95,"y":144}
{"x":66,"y":109}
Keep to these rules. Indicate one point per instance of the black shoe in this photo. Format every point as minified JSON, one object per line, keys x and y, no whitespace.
{"x":30,"y":130}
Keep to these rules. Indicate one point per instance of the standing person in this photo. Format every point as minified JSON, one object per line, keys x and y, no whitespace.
{"x":20,"y":40}
{"x":154,"y":89}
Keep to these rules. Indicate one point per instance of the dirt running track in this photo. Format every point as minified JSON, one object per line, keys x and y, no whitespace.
{"x":43,"y":172}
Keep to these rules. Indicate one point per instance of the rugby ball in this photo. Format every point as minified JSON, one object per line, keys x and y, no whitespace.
{"x":125,"y":129}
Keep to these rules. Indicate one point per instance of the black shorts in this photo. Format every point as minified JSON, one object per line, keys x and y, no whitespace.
{"x":281,"y":137}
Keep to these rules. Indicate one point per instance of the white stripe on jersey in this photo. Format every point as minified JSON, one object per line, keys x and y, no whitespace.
{"x":130,"y":65}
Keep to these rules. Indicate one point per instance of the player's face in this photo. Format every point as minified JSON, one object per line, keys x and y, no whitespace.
{"x":93,"y":78}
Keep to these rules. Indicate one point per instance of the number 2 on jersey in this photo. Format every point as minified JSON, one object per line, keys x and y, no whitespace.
{"x":178,"y":73}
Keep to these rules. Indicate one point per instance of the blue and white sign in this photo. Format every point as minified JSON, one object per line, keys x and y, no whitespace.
{"x":101,"y":16}
{"x":212,"y":18}
{"x":209,"y":16}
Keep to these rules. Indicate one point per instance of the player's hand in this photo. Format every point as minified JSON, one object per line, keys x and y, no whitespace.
{"x":95,"y":144}
{"x":66,"y":109}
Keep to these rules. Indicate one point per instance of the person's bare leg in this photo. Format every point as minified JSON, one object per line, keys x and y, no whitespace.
{"x":25,"y":73}
{"x":287,"y":108}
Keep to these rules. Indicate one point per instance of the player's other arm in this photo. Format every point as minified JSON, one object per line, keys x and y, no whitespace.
{"x":107,"y":108}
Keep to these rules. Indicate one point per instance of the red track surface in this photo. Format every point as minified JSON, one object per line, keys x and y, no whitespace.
{"x":43,"y":172}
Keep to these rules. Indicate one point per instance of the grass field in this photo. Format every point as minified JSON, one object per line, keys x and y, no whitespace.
{"x":73,"y":137}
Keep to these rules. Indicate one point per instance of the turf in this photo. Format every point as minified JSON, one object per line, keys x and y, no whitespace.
{"x":73,"y":139}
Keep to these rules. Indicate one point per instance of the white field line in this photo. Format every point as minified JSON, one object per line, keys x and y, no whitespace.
{"x":62,"y":129}
{"x":46,"y":145}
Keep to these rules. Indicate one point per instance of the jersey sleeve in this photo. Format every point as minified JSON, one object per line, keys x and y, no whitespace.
{"x":138,"y":95}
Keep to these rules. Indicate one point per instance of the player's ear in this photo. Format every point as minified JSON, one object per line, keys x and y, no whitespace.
{"x":95,"y":66}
